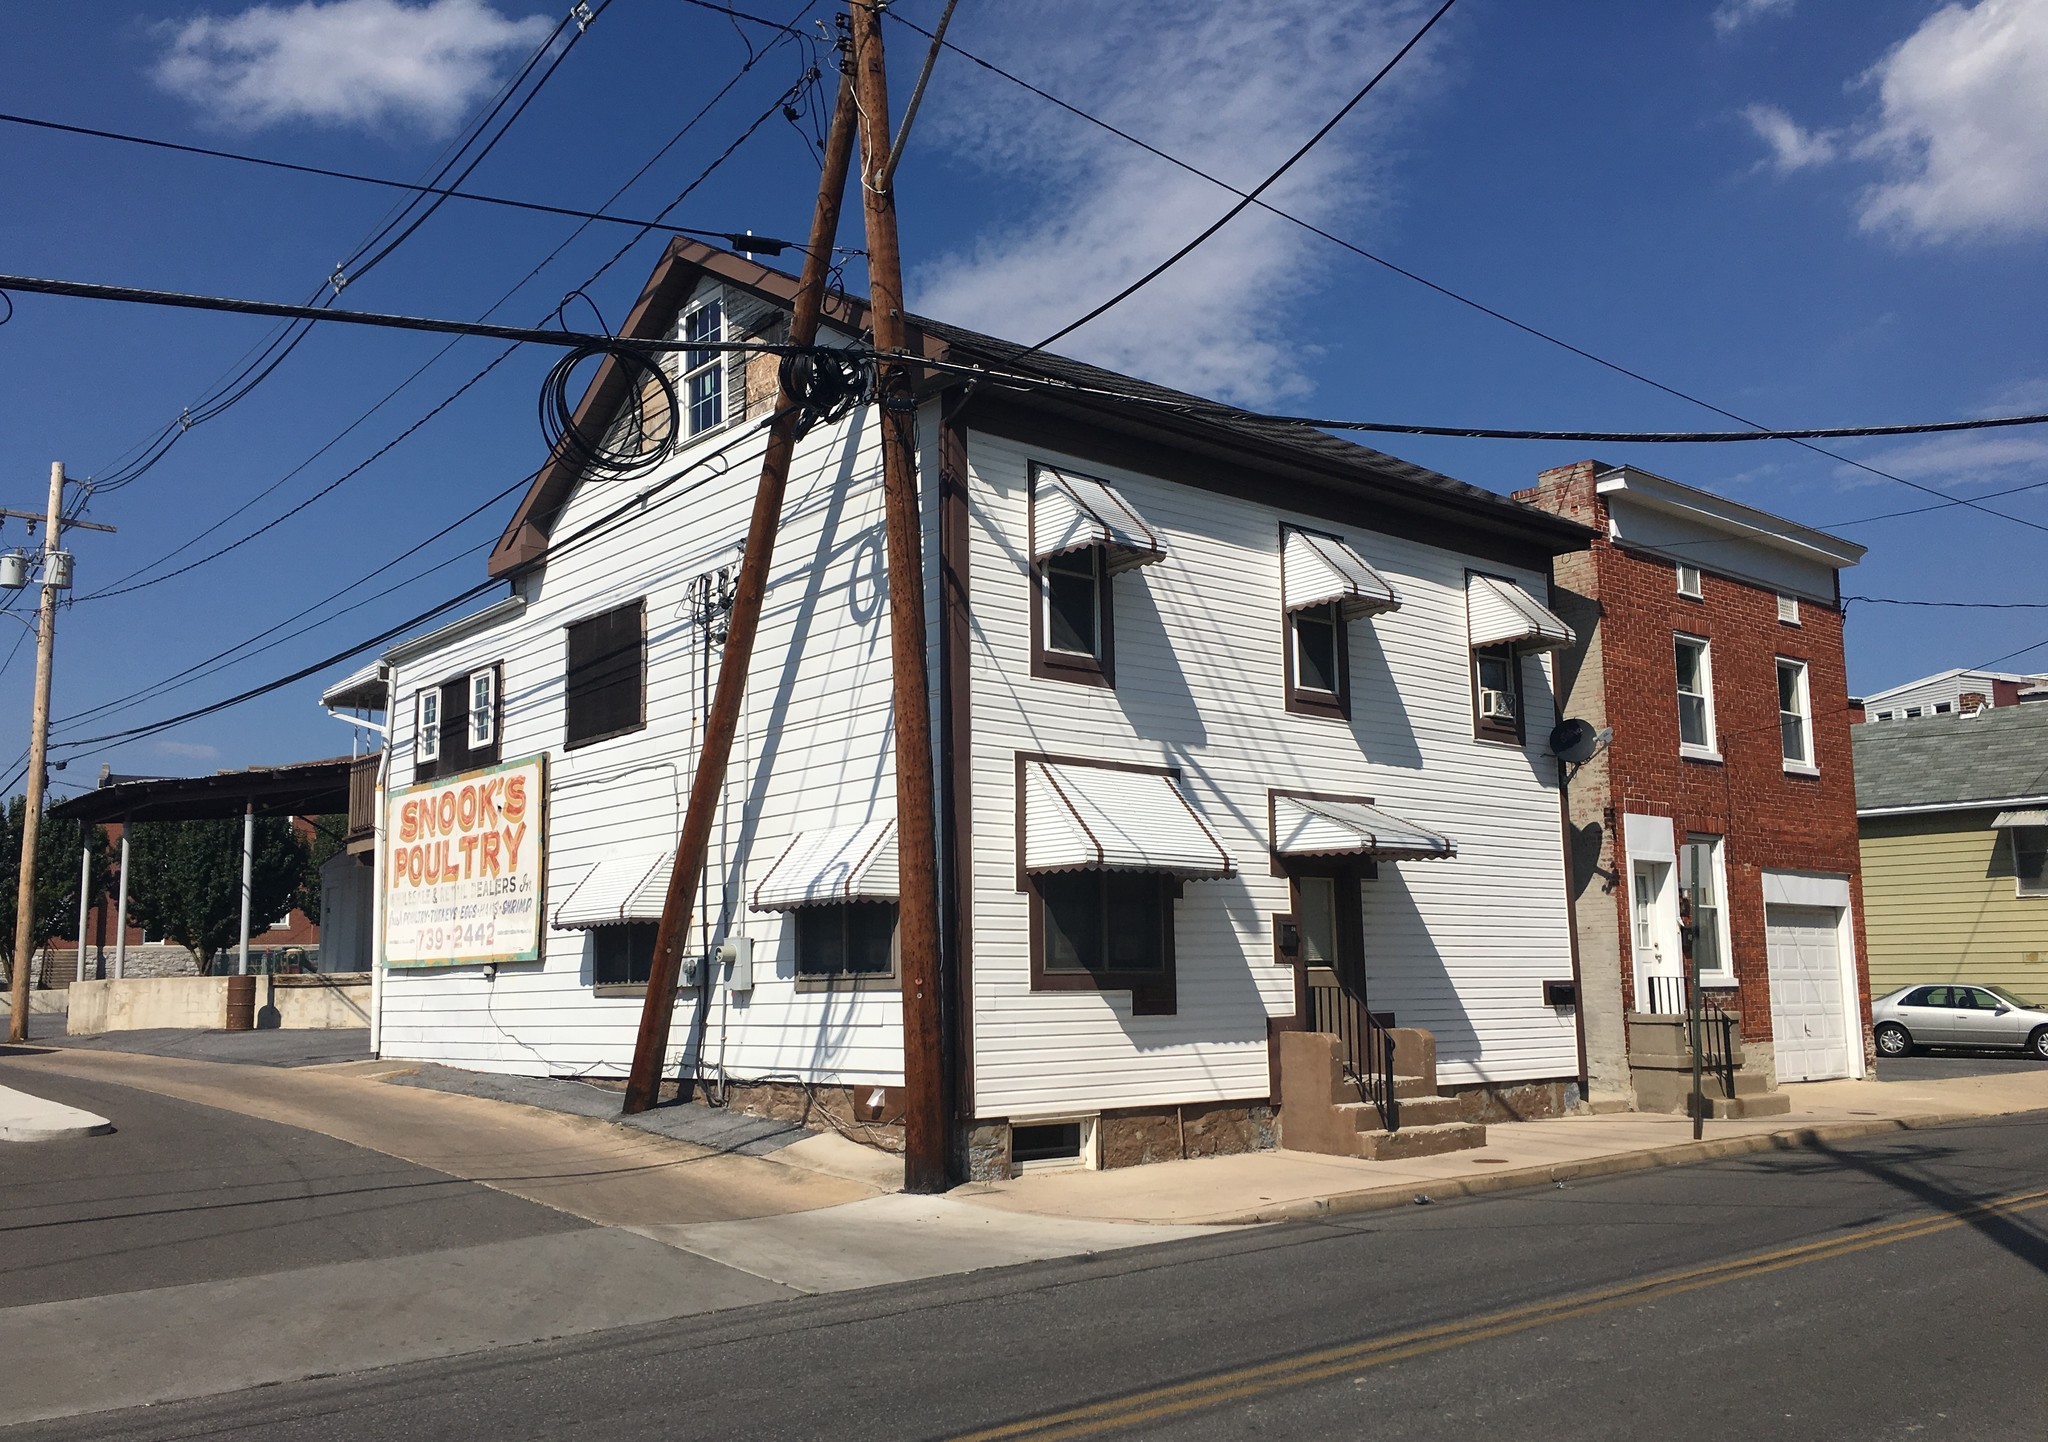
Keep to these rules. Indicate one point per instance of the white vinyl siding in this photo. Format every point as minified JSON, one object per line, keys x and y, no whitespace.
{"x":1200,"y":687}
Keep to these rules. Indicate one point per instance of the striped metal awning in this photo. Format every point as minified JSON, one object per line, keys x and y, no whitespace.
{"x":2029,"y":816}
{"x":1317,"y":570}
{"x":1500,"y":613}
{"x":1071,"y":513}
{"x":830,"y":866}
{"x":1098,"y":818}
{"x":615,"y":891}
{"x":1304,"y":826}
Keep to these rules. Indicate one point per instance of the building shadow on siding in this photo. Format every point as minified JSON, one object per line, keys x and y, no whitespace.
{"x":1162,"y":707}
{"x":1406,"y":974}
{"x":1379,"y":715}
{"x":1216,"y":998}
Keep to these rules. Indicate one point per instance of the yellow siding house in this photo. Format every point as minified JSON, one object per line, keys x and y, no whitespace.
{"x":1952,"y":812}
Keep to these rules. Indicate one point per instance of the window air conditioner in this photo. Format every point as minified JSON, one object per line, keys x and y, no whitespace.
{"x":1496,"y":705}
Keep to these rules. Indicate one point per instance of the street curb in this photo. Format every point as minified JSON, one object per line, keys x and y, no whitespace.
{"x":1383,"y":1198}
{"x":28,"y":1118}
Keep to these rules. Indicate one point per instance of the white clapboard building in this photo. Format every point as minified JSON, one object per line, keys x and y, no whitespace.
{"x":1222,"y":708}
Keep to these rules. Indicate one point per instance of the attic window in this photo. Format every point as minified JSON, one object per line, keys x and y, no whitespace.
{"x":704,"y":370}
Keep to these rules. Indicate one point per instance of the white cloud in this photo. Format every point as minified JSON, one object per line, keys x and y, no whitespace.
{"x":188,"y":750}
{"x":1954,"y":460}
{"x":1792,"y":146}
{"x":1731,"y":15}
{"x":1232,"y":89}
{"x":345,"y":62}
{"x":1963,"y":126}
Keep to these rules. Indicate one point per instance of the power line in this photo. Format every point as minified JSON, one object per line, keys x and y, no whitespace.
{"x":1952,"y":605}
{"x":1260,"y":189}
{"x":1946,"y":501}
{"x":549,"y":259}
{"x":743,"y":240}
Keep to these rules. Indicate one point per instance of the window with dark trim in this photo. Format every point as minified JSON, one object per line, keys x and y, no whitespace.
{"x":606,"y":680}
{"x":854,"y":940}
{"x":459,"y":723}
{"x":622,"y":955}
{"x":1318,"y":663}
{"x":2029,"y":860}
{"x":1105,"y":931}
{"x":1497,"y":694}
{"x":1072,"y":630}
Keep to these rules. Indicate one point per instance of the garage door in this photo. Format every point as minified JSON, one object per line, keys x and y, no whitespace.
{"x":1809,"y":1014}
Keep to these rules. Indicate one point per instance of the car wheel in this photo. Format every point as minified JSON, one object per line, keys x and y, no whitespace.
{"x":2038,"y":1043}
{"x":1892,"y":1040}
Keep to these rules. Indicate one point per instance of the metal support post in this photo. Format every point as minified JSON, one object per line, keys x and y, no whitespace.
{"x":121,"y":911}
{"x":248,"y":876}
{"x":84,"y":907}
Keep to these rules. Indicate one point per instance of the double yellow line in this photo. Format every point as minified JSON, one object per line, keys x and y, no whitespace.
{"x":1247,"y":1382}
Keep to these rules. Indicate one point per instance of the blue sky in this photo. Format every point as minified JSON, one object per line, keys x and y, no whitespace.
{"x":1806,"y":213}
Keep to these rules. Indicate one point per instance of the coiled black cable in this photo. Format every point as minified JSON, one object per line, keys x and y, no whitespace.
{"x":637,"y":438}
{"x":825,"y":383}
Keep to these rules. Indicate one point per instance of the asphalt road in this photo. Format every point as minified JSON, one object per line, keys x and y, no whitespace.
{"x":1864,"y":1291}
{"x":1928,"y":1066}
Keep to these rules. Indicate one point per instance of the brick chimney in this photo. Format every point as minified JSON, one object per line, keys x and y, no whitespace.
{"x":1568,"y":491}
{"x":1972,"y":702}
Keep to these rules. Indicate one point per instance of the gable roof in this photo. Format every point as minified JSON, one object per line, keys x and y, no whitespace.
{"x":1954,"y":673}
{"x":1188,"y":418}
{"x":1952,"y":762}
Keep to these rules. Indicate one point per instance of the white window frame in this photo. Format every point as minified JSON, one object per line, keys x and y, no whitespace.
{"x":1710,"y":750}
{"x":714,"y":366}
{"x":1788,"y":609}
{"x":1802,"y":765}
{"x":2019,"y":885}
{"x":426,"y":744}
{"x":1717,"y":848}
{"x":483,"y":717}
{"x":1695,"y":591}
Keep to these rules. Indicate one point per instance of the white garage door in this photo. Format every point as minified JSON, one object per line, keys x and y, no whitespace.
{"x":1809,"y":1014}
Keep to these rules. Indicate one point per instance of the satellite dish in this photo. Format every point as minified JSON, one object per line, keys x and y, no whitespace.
{"x":1576,"y":742}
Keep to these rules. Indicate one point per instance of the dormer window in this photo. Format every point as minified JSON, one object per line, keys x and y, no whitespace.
{"x":704,"y":369}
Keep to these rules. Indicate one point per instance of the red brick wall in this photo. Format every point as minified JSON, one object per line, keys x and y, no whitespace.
{"x":1769,"y":819}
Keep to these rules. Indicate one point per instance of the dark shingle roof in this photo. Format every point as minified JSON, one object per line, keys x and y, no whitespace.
{"x":1954,"y":760}
{"x":1186,"y":409}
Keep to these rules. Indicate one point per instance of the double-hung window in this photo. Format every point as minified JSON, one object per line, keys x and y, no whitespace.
{"x":1106,"y":923}
{"x":483,"y":708}
{"x":1700,"y":873}
{"x":703,"y":366}
{"x":1497,"y":693}
{"x":426,"y":747}
{"x":1795,"y":715}
{"x":1695,"y":696}
{"x":1073,"y":603}
{"x":1317,"y":642}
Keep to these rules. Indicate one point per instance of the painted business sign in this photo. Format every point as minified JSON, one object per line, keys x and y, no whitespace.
{"x":463,"y":862}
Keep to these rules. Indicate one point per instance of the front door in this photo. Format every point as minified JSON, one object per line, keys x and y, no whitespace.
{"x":1329,"y":909}
{"x":1659,"y":964}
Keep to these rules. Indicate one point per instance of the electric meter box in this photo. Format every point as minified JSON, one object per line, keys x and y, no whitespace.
{"x":736,"y":956}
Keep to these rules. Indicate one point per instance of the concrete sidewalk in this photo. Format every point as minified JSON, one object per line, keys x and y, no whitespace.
{"x":1277,"y":1186}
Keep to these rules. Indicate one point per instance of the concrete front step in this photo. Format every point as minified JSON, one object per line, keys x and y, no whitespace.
{"x":1760,"y":1104}
{"x":1414,"y":1086}
{"x":1420,"y":1141}
{"x":1421,"y":1111}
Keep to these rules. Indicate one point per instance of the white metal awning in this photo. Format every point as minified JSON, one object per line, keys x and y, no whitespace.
{"x":1316,"y":570}
{"x":1098,"y":818}
{"x":826,"y":867}
{"x":1070,"y":512}
{"x":1303,"y":826}
{"x":1501,"y":613}
{"x":617,"y":890}
{"x":2030,"y":816}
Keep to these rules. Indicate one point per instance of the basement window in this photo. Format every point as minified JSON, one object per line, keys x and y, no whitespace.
{"x":1046,"y":1145}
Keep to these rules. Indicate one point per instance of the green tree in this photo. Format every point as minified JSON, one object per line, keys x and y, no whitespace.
{"x":185,"y":881}
{"x":330,"y":833}
{"x":57,"y":848}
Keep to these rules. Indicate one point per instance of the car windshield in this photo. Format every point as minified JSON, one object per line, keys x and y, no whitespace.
{"x":2013,"y":999}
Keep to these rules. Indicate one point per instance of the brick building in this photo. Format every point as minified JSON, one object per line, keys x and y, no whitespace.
{"x":1710,"y":641}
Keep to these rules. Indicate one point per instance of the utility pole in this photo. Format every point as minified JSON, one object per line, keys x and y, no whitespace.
{"x":643,"y":1083}
{"x":924,"y":1123}
{"x":56,"y":577}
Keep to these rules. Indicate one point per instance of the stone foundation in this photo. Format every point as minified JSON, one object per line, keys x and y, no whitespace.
{"x":1493,"y":1102}
{"x":1134,"y":1136}
{"x":849,"y":1110}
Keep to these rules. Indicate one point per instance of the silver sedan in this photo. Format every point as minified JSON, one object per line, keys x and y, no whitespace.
{"x":1957,"y":1015}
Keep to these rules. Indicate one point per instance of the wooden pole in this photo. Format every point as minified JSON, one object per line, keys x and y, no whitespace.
{"x":38,"y":754}
{"x":643,"y":1083}
{"x":925,"y":1156}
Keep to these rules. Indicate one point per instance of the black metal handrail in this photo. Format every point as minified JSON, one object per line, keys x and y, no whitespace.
{"x":1365,"y":1047}
{"x":1717,"y":1043}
